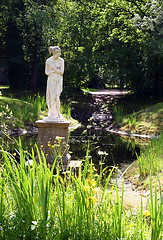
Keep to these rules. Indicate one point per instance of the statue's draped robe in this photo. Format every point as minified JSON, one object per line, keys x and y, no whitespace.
{"x":54,"y":69}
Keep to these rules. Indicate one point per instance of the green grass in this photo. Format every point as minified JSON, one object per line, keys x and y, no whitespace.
{"x":139,"y":114}
{"x":36,"y":204}
{"x":23,"y":112}
{"x":147,"y":121}
{"x":19,"y":113}
{"x":150,"y":160}
{"x":118,"y":113}
{"x":4,"y":87}
{"x":87,"y":90}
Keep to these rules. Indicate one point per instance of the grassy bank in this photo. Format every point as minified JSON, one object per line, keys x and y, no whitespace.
{"x":148,"y":121}
{"x":150,"y":162}
{"x":22,"y":112}
{"x":36,"y":204}
{"x":143,"y":117}
{"x":139,"y":115}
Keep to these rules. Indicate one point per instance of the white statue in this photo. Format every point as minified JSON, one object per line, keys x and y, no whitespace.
{"x":54,"y":68}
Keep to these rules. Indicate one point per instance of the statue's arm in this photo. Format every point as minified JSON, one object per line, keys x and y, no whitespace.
{"x":60,"y":70}
{"x":48,"y":70}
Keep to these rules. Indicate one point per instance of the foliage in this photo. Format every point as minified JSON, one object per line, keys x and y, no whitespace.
{"x":147,"y":121}
{"x":23,"y":112}
{"x":156,"y":213}
{"x":118,"y":113}
{"x":35,"y":203}
{"x":151,"y":159}
{"x":105,"y":43}
{"x":25,"y":23}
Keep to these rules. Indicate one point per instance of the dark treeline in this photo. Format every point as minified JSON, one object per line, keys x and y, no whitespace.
{"x":105,"y":43}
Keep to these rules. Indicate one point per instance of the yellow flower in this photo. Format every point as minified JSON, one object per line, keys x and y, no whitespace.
{"x":94,"y":191}
{"x":14,"y":154}
{"x":87,"y":182}
{"x":93,"y":182}
{"x":92,"y":199}
{"x":86,"y":188}
{"x":146,"y":213}
{"x":41,"y":146}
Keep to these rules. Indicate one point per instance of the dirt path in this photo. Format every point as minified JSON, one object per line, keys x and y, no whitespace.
{"x":133,"y":197}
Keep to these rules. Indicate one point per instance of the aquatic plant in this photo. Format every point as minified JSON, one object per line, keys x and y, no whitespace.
{"x":36,"y":204}
{"x":150,"y":159}
{"x":25,"y":111}
{"x":118,"y":113}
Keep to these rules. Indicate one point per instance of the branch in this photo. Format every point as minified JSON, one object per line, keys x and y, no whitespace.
{"x":137,"y":7}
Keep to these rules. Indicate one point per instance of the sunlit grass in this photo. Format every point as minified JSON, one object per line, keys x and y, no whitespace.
{"x":118,"y":113}
{"x":147,"y":121}
{"x":151,"y":159}
{"x":16,"y":113}
{"x":4,"y":87}
{"x":38,"y":204}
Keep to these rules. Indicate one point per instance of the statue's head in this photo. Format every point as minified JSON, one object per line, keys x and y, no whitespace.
{"x":54,"y":49}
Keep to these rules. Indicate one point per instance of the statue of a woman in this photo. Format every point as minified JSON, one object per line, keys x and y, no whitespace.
{"x":54,"y":68}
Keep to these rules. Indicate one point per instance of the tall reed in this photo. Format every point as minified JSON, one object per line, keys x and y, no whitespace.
{"x":155,"y":208}
{"x":150,"y":159}
{"x":36,"y":204}
{"x":118,"y":113}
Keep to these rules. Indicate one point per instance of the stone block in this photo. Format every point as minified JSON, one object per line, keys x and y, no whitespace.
{"x":53,"y":140}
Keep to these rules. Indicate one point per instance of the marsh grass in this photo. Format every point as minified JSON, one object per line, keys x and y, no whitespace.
{"x":19,"y":113}
{"x":36,"y":204}
{"x":23,"y":112}
{"x":151,"y":159}
{"x":118,"y":113}
{"x":155,"y":208}
{"x":147,"y":121}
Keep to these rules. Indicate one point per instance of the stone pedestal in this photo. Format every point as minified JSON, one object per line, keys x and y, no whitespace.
{"x":53,"y":140}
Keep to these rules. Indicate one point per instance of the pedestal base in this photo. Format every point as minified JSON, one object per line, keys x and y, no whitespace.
{"x":53,"y":140}
{"x":47,"y":119}
{"x":61,"y":162}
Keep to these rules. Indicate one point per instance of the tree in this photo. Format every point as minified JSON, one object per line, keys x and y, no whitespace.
{"x":104,"y":43}
{"x":34,"y":22}
{"x":25,"y":36}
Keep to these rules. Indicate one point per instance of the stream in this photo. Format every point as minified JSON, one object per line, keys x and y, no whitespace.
{"x":95,"y":119}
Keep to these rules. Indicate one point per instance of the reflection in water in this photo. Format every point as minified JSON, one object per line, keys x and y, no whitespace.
{"x":101,"y":144}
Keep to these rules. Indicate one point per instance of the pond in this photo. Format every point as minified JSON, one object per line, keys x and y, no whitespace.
{"x":103,"y":145}
{"x":111,"y":148}
{"x":94,"y":112}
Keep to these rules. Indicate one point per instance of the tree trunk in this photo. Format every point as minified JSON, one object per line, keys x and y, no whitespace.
{"x":34,"y":77}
